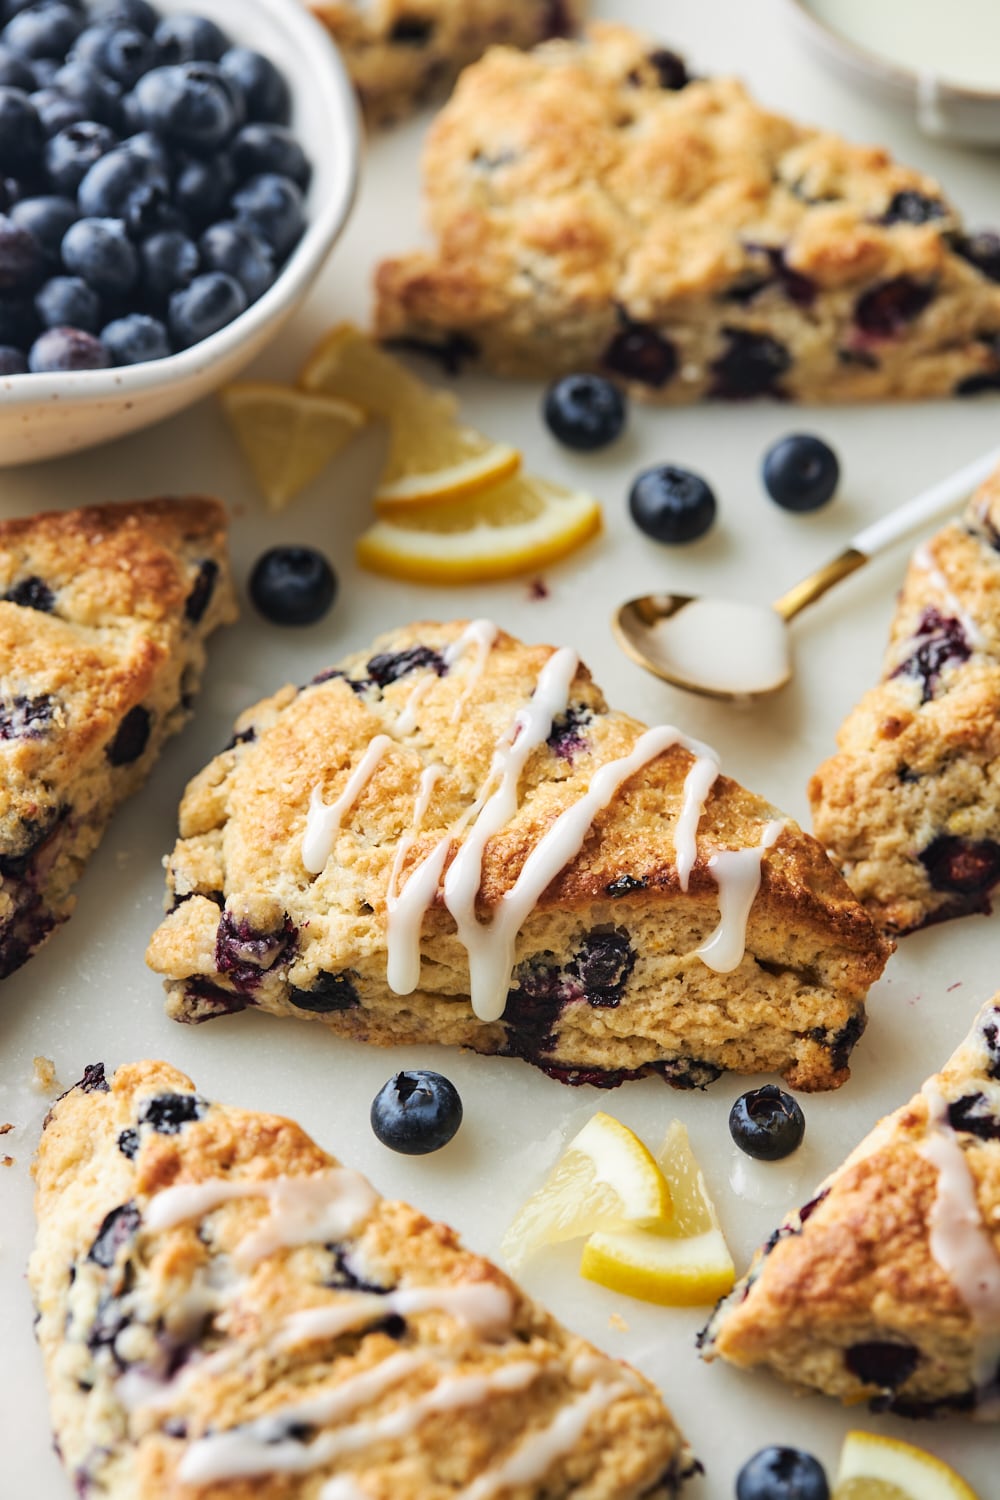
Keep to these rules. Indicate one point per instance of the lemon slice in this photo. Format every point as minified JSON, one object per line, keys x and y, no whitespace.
{"x":685,"y":1262}
{"x":517,"y":526}
{"x":881,"y":1468}
{"x":288,"y":436}
{"x":348,"y":364}
{"x":606,"y":1176}
{"x":444,"y":463}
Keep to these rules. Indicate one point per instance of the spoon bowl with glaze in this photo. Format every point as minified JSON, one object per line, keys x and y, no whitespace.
{"x":723,"y":648}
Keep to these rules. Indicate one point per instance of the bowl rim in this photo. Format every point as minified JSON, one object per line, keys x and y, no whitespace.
{"x":333,"y":86}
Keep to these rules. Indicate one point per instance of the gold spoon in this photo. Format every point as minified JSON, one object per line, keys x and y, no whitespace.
{"x":725,"y":649}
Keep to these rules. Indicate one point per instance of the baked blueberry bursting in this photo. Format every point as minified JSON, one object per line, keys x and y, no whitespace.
{"x":32,"y":593}
{"x":244,"y":955}
{"x":968,"y":867}
{"x":390,"y":666}
{"x":767,"y":1123}
{"x":26,"y":718}
{"x":131,"y":738}
{"x":972,"y":1114}
{"x":885,"y":310}
{"x":939,"y":642}
{"x":991,"y":1041}
{"x":202,"y":590}
{"x":117,"y":1229}
{"x":782,"y":1474}
{"x":882,"y":1363}
{"x":603,"y":965}
{"x":909,"y":207}
{"x":169,"y":1113}
{"x":416,"y":1112}
{"x":565,"y":738}
{"x":93,"y":1080}
{"x":752,"y":364}
{"x":980,"y":250}
{"x":840,"y":1044}
{"x":641,"y":354}
{"x":328,"y":993}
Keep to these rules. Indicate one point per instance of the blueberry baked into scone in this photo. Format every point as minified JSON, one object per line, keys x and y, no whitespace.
{"x":595,"y":206}
{"x":402,"y":54}
{"x":104,"y":614}
{"x":886,"y":1285}
{"x":451,"y":838}
{"x":226,"y":1311}
{"x":909,"y":807}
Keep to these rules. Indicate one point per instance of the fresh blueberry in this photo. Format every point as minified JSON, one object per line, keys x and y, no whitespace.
{"x":43,"y":70}
{"x":137,"y":13}
{"x":671,"y":504}
{"x":122,"y":52}
{"x":416,"y":1113}
{"x":14,"y":71}
{"x":46,"y":30}
{"x":100,"y":251}
{"x":272,"y":207}
{"x":18,"y":320}
{"x":170,"y":260}
{"x":113,"y":183}
{"x":182,"y":38}
{"x":12,"y":361}
{"x":63,"y":349}
{"x":584,"y":411}
{"x":56,"y":110}
{"x":292,"y":585}
{"x":269,"y":148}
{"x":202,"y":187}
{"x":208,"y":304}
{"x":135,"y":339}
{"x":48,"y":219}
{"x":22,"y":261}
{"x":71,"y":152}
{"x":263,"y":87}
{"x":801,"y":472}
{"x":147,"y":144}
{"x":99,"y":94}
{"x":21,"y":135}
{"x":767,"y":1123}
{"x":236,"y":250}
{"x":67,"y":301}
{"x":782,"y":1474}
{"x":192,"y":104}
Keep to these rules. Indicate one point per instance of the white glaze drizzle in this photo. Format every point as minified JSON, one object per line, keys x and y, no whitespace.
{"x":923,"y":559}
{"x":343,"y":1487}
{"x":405,"y":909}
{"x":323,"y":821}
{"x":698,"y":783}
{"x":737,"y":874}
{"x":323,"y":1206}
{"x":407,"y":720}
{"x":530,"y":1462}
{"x":478,"y":636}
{"x":960,"y":1242}
{"x":481,"y":1305}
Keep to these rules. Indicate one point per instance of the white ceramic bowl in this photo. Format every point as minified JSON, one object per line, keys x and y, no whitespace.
{"x":42,"y":416}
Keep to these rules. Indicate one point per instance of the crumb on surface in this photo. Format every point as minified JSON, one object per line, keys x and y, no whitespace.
{"x":43,"y":1075}
{"x":6,"y":1129}
{"x":618,"y":1323}
{"x":538,"y":589}
{"x":6,"y":1161}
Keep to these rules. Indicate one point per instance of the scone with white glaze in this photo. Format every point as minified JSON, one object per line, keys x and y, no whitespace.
{"x":226,"y":1312}
{"x":593,"y":205}
{"x":451,"y":838}
{"x":909,"y":806}
{"x":104,"y":614}
{"x":885,"y":1286}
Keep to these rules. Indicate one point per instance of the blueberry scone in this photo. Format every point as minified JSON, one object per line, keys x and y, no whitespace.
{"x":402,"y":54}
{"x":886,"y":1285}
{"x":451,"y":838}
{"x":594,"y":206}
{"x":224,"y":1310}
{"x":909,"y":807}
{"x":104,"y":614}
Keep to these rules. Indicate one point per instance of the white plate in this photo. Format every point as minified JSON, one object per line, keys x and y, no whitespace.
{"x":88,"y":995}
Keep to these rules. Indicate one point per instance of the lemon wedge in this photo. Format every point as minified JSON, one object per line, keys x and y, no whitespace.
{"x":288,"y":436}
{"x":606,"y":1176}
{"x":445,"y":463}
{"x":517,"y":526}
{"x":682,"y":1263}
{"x":881,"y":1468}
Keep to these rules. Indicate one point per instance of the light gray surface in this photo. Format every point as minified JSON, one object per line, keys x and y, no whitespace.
{"x":89,"y":996}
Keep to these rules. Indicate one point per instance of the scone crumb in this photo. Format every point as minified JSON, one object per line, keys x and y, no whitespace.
{"x":6,"y":1129}
{"x":618,"y":1323}
{"x":6,"y":1161}
{"x":43,"y":1076}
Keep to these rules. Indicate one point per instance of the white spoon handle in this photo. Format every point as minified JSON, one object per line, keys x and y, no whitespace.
{"x":937,"y":500}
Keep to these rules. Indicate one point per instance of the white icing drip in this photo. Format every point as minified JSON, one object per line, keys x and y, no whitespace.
{"x":960,"y":1242}
{"x":478,"y":636}
{"x":737,"y":874}
{"x":405,"y":909}
{"x":407,"y":720}
{"x":483,"y":1306}
{"x":530,"y":1462}
{"x":323,"y":1206}
{"x":343,"y":1487}
{"x":323,"y":821}
{"x":250,"y":1450}
{"x":697,"y":784}
{"x":922,"y":559}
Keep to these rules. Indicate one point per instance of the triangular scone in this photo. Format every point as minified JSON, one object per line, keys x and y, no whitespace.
{"x":595,"y":206}
{"x":497,"y":857}
{"x":103,"y":618}
{"x":224,"y":1310}
{"x":910,"y":806}
{"x":886,"y":1285}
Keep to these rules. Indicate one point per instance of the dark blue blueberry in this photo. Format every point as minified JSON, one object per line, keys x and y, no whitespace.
{"x":603,"y":965}
{"x":118,"y":1229}
{"x":22,"y":261}
{"x":100,"y":251}
{"x":841,"y":1043}
{"x":623,"y":885}
{"x":687,"y":1072}
{"x":18,"y":320}
{"x":147,"y":143}
{"x":799,"y":289}
{"x":584,"y":411}
{"x":43,"y":71}
{"x":641,"y":354}
{"x":259,"y":147}
{"x":128,"y":1144}
{"x":99,"y":94}
{"x":782,"y":1474}
{"x":68,"y":302}
{"x":235,"y":249}
{"x":767,"y":1123}
{"x":135,"y":339}
{"x":21,"y":134}
{"x":416,"y":1112}
{"x":801,"y":472}
{"x":972,"y":1114}
{"x":452,"y":351}
{"x":191,"y":104}
{"x":991,"y":1041}
{"x":345,"y":1276}
{"x":48,"y":219}
{"x":939,"y":642}
{"x":45,"y":30}
{"x":390,"y":666}
{"x":244,"y":954}
{"x":124,"y":53}
{"x":61,"y":350}
{"x":982,"y":251}
{"x":110,"y":185}
{"x":671,"y":505}
{"x":32,"y":593}
{"x":292,"y":585}
{"x":201,"y":592}
{"x":182,"y":38}
{"x":888,"y":308}
{"x":327,"y":993}
{"x":203,"y":187}
{"x":72,"y":151}
{"x":56,"y":110}
{"x":263,"y":87}
{"x":272,"y":207}
{"x":131,"y":737}
{"x":12,"y":361}
{"x":169,"y":1113}
{"x":208,"y":304}
{"x":14,"y":71}
{"x":411,"y":31}
{"x":750,"y":365}
{"x":910,"y":207}
{"x":565,"y":738}
{"x":137,"y":13}
{"x":93,"y":1080}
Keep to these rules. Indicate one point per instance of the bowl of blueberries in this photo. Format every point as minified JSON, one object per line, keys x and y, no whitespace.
{"x":166,"y":199}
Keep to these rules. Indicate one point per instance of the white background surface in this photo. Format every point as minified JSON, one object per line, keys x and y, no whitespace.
{"x":88,"y":995}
